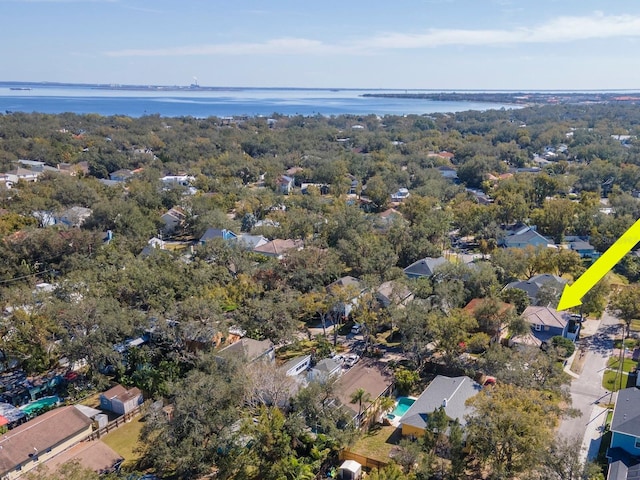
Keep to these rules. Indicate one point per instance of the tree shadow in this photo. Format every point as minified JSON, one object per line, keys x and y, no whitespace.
{"x":395,"y":437}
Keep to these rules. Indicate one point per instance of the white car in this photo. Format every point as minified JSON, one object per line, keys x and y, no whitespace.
{"x":351,"y":360}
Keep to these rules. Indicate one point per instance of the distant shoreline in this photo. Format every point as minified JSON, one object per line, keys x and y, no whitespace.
{"x":484,"y":95}
{"x":520,"y":98}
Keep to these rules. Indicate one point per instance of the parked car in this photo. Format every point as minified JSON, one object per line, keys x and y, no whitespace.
{"x":351,"y":360}
{"x":356,"y":329}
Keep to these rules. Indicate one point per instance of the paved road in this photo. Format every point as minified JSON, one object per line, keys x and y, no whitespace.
{"x":587,"y":391}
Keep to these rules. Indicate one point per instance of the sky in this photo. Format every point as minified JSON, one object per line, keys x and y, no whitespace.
{"x":404,"y":44}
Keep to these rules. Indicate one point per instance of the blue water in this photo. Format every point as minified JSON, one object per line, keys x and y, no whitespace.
{"x":219,"y":103}
{"x":37,"y":404}
{"x":404,"y":403}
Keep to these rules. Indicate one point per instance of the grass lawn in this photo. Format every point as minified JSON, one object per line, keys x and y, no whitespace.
{"x":629,"y":343}
{"x":376,"y":443}
{"x":628,"y":365}
{"x":613,"y":384}
{"x":125,"y":439}
{"x":635,"y":325}
{"x":92,"y":401}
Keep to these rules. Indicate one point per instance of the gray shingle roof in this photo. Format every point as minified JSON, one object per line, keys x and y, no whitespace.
{"x":626,"y":414}
{"x":449,"y":392}
{"x":425,"y":267}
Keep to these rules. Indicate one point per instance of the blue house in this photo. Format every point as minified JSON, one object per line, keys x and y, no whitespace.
{"x":583,"y":248}
{"x":212,"y":233}
{"x":624,"y":449}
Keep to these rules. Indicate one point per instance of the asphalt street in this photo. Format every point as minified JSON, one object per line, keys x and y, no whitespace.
{"x":587,"y":392}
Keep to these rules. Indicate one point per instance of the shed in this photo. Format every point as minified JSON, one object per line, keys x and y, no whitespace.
{"x":350,"y":470}
{"x":120,"y":400}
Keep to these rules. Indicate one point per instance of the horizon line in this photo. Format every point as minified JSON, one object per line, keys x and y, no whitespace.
{"x":193,"y":87}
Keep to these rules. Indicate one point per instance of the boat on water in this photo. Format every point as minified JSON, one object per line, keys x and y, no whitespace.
{"x":19,"y":88}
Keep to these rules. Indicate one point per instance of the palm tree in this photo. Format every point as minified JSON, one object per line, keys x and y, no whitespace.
{"x":360,"y":396}
{"x":384,"y":403}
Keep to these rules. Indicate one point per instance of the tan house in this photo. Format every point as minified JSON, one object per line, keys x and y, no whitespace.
{"x":28,"y":445}
{"x":278,"y":248}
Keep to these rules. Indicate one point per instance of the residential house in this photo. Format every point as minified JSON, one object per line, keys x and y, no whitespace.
{"x":348,"y":290}
{"x":502,"y":314}
{"x":443,"y":155}
{"x":297,"y":365}
{"x":401,"y":195}
{"x":173,"y":219}
{"x":33,"y":165}
{"x":324,"y":370}
{"x":583,"y":248}
{"x":121,"y":175}
{"x":26,"y":446}
{"x":95,"y":455}
{"x":321,"y":188}
{"x":450,"y":393}
{"x":624,"y":449}
{"x":24,"y":174}
{"x":552,"y":283}
{"x":395,"y":293}
{"x":480,"y":196}
{"x":177,"y":180}
{"x":278,"y":248}
{"x":120,"y":400}
{"x":249,"y":350}
{"x":384,"y":220}
{"x":212,"y":233}
{"x":546,"y":323}
{"x":251,"y":241}
{"x":449,"y":173}
{"x":524,"y":237}
{"x":74,"y":169}
{"x":425,"y":267}
{"x":73,"y":217}
{"x":284,"y":184}
{"x":154,"y":244}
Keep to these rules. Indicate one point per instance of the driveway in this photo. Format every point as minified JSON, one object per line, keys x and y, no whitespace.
{"x":587,"y":392}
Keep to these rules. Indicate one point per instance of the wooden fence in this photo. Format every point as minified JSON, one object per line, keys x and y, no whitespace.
{"x":118,"y":422}
{"x":366,"y":462}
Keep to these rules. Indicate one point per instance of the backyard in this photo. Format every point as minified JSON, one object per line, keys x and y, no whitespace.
{"x":378,"y":442}
{"x":124,"y":440}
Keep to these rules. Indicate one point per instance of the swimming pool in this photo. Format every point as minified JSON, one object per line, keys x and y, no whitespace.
{"x":40,"y":403}
{"x":404,"y":403}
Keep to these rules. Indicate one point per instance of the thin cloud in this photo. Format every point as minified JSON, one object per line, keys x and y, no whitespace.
{"x":561,"y":29}
{"x":558,"y":30}
{"x":280,"y":46}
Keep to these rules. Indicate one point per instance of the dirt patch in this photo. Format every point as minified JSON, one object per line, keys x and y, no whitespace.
{"x":578,"y":361}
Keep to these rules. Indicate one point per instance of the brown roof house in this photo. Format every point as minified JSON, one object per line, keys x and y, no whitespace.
{"x":96,"y":455}
{"x":250,"y":350}
{"x":120,"y":400}
{"x":278,"y":248}
{"x":36,"y":441}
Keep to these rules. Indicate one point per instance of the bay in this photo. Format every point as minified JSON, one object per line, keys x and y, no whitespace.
{"x":202,"y":103}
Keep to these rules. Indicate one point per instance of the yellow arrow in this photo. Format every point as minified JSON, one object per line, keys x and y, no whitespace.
{"x":572,"y":294}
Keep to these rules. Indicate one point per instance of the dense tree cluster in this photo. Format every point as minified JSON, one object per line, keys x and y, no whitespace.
{"x":104,"y":291}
